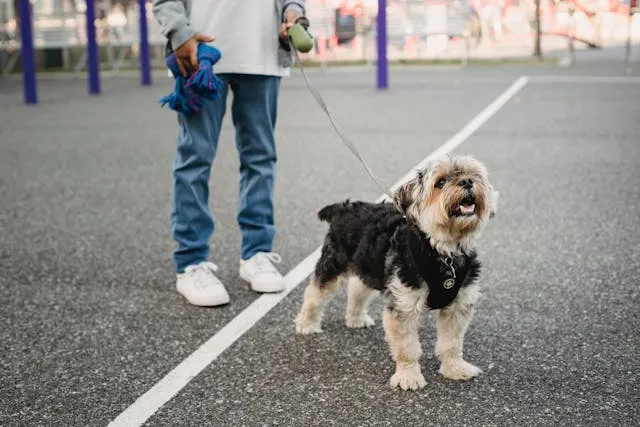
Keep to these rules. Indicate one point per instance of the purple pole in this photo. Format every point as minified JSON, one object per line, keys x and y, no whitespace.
{"x":92,"y":49}
{"x":383,"y":79}
{"x":145,"y":65}
{"x":28,"y":62}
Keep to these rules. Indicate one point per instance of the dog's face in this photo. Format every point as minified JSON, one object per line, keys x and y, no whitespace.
{"x":450,"y":199}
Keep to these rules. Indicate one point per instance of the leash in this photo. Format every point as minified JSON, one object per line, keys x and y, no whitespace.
{"x":323,"y":105}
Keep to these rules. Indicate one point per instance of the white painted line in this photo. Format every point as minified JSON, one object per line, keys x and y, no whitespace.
{"x":163,"y":391}
{"x":586,"y":79}
{"x":147,"y":404}
{"x":469,"y":129}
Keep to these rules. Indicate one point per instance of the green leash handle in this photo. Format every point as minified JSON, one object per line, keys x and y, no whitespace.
{"x":300,"y":38}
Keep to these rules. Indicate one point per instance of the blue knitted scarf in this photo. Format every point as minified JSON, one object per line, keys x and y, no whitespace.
{"x":188,"y":92}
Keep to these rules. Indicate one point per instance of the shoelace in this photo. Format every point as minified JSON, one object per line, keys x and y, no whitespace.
{"x":204,"y":268}
{"x":264,"y":260}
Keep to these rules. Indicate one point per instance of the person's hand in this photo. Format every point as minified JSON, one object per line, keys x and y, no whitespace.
{"x":289,"y":20}
{"x":187,"y":53}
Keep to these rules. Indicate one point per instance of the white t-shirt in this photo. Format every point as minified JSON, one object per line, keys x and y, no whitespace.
{"x":245,"y":32}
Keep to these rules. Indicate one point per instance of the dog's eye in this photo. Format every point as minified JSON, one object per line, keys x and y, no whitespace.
{"x":441,"y":183}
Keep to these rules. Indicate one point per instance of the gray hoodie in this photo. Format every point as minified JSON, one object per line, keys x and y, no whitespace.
{"x":175,"y":23}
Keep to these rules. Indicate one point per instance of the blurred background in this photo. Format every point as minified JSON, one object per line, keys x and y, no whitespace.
{"x":345,"y":30}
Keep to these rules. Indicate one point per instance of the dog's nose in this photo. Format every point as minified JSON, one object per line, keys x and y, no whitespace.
{"x":466,"y":183}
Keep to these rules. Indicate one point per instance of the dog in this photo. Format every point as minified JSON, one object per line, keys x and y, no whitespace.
{"x":419,"y":250}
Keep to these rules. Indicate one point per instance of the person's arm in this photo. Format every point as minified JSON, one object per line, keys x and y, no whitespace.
{"x":297,"y":6}
{"x":173,"y":20}
{"x":174,"y":25}
{"x":292,"y":10}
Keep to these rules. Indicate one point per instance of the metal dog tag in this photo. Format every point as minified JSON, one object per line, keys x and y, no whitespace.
{"x":448,"y":284}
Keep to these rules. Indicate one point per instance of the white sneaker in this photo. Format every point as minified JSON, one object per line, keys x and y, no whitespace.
{"x":200,"y":286}
{"x":261,"y":274}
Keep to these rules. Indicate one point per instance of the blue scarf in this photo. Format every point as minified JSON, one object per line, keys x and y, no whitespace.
{"x":188,"y":92}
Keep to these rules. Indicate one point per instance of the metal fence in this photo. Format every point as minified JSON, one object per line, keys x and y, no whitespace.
{"x":415,"y":29}
{"x":345,"y":30}
{"x":456,"y":29}
{"x":59,"y":30}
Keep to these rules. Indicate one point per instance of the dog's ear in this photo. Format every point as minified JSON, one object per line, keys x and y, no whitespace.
{"x":405,"y":195}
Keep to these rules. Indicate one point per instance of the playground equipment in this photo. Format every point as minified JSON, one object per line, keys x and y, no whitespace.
{"x":90,"y":58}
{"x":27,"y":51}
{"x":385,"y":30}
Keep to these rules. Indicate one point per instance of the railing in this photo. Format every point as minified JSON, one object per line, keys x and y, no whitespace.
{"x":117,"y":35}
{"x":416,"y":29}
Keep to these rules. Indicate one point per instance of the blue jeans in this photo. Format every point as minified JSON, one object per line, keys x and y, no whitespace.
{"x":253,"y":110}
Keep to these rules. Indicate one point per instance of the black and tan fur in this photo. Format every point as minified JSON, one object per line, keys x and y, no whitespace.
{"x":419,"y":251}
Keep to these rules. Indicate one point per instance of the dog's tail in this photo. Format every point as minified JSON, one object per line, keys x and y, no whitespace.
{"x":330,"y":211}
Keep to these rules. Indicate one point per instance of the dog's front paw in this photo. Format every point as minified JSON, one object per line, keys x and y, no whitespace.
{"x":362,"y":321}
{"x":459,"y":370}
{"x":408,"y":378}
{"x":304,"y":326}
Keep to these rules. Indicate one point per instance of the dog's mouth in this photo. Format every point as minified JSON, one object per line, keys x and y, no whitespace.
{"x":467,"y":207}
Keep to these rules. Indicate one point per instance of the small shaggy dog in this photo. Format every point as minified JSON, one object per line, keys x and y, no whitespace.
{"x":420,"y":252}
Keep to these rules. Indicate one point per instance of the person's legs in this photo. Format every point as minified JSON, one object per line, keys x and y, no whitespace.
{"x":254,"y":109}
{"x":191,"y":221}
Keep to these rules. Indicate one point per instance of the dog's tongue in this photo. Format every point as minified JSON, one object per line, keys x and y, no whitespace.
{"x":467,"y":209}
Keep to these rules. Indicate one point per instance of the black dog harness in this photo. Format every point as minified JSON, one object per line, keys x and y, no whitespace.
{"x":444,"y":276}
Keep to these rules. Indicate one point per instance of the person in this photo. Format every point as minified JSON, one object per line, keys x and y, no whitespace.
{"x":249,"y":35}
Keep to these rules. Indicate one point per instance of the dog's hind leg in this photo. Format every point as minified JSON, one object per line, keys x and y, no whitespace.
{"x":401,"y":320}
{"x":452,"y":323}
{"x":316,"y":295}
{"x":358,"y":297}
{"x":329,"y":272}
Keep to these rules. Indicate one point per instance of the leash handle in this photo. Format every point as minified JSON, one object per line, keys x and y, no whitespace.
{"x":299,"y":36}
{"x":323,"y":105}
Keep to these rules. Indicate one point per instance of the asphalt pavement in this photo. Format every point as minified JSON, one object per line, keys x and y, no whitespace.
{"x":88,"y":303}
